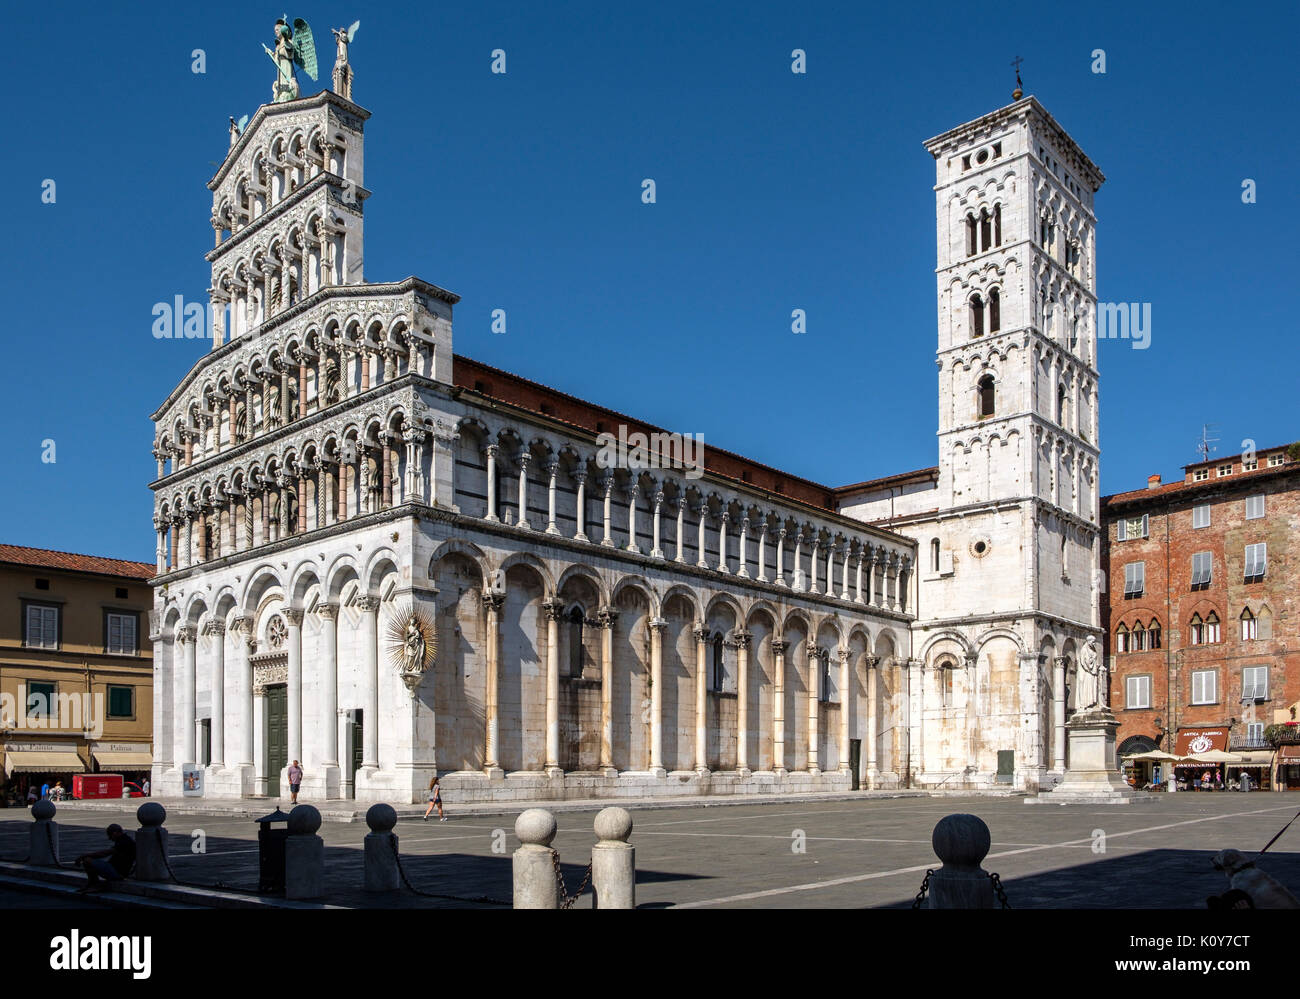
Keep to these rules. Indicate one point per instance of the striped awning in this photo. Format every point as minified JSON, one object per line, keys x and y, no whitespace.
{"x":28,"y":761}
{"x":123,"y":761}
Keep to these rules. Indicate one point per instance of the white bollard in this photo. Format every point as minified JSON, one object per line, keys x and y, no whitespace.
{"x":961,"y":842}
{"x":304,"y":855}
{"x":534,"y":866}
{"x":45,"y":836}
{"x":151,"y":843}
{"x":381,"y":872}
{"x":613,"y":861}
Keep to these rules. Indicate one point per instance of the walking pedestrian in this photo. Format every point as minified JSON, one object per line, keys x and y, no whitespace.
{"x":144,"y":788}
{"x":435,"y":798}
{"x":295,"y":780}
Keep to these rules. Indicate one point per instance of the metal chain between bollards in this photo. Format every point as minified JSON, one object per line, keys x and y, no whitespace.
{"x":997,"y":888}
{"x":481,"y":899}
{"x":567,"y":900}
{"x":925,"y":887}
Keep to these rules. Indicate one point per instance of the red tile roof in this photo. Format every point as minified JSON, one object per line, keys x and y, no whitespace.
{"x":898,"y":479}
{"x":525,"y":393}
{"x":1171,"y":489}
{"x":42,"y":558}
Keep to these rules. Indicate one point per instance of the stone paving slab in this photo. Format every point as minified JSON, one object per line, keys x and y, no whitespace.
{"x":351,"y":811}
{"x":867,"y":852}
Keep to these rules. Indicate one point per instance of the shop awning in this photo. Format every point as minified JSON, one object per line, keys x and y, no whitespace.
{"x":1289,"y":755}
{"x":1192,"y":741}
{"x":123,"y":761}
{"x":28,"y":761}
{"x":1255,"y":758}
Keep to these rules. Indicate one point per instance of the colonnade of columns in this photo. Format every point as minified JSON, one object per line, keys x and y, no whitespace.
{"x":238,"y":710}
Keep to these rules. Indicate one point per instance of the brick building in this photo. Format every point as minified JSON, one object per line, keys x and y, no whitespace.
{"x":1200,"y":612}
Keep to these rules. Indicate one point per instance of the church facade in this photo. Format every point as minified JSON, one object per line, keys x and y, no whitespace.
{"x":386,"y":561}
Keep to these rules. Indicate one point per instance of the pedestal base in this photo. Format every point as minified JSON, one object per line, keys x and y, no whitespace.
{"x":1092,"y":777}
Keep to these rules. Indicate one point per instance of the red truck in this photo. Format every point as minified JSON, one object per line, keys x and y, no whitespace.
{"x":88,"y":786}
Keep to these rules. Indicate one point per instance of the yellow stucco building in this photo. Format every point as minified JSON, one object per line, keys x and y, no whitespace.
{"x":76,"y":667}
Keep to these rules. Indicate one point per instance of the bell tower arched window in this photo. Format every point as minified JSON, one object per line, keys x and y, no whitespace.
{"x":986,"y":396}
{"x":986,"y":229}
{"x":976,"y":315}
{"x":934,"y":555}
{"x":997,"y":225}
{"x":970,"y":235}
{"x":995,"y":310}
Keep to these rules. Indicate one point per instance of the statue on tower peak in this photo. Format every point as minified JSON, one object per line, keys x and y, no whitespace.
{"x":293,"y":47}
{"x":342,"y":68}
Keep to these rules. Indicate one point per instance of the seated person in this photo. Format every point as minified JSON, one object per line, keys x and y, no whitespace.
{"x":113,"y":864}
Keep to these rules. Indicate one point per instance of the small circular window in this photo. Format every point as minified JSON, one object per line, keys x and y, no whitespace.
{"x":982,"y":156}
{"x":979,"y":547}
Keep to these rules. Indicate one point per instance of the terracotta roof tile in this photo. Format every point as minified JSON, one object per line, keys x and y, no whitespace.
{"x":42,"y":558}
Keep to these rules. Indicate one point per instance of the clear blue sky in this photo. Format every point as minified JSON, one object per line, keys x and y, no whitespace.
{"x":775,"y":192}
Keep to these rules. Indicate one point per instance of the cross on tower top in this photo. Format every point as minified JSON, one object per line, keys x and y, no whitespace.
{"x":1019,"y":91}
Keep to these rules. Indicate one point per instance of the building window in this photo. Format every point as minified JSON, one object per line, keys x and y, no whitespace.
{"x":1122,"y":639}
{"x":1201,"y":515}
{"x":1200,"y":475}
{"x":824,"y":661}
{"x":576,"y":651}
{"x":997,"y":213}
{"x":1135,"y":574}
{"x":1225,"y":470}
{"x":1255,"y":733}
{"x":121,"y":702}
{"x":42,"y":627}
{"x":1249,"y":464}
{"x":40,"y":698}
{"x":1255,"y":507}
{"x":1256,"y":562}
{"x":1254,"y":683}
{"x":1196,"y":630}
{"x":970,"y":236}
{"x":934,"y":554}
{"x":719,"y":673}
{"x":1153,"y":635}
{"x":1249,"y":626}
{"x":1202,"y":567}
{"x":976,"y":316}
{"x":945,"y":685}
{"x":1274,"y":460}
{"x":986,"y":229}
{"x":1138,"y":642}
{"x":1132,"y":528}
{"x":119,"y":637}
{"x":1205,"y":686}
{"x":1137,"y":691}
{"x":995,"y":310}
{"x":986,"y":396}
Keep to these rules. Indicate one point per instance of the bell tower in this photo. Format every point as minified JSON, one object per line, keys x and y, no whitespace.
{"x":1017,"y":353}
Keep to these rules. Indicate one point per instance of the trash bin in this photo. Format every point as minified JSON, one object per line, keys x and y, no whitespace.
{"x":270,"y":851}
{"x":1245,"y":782}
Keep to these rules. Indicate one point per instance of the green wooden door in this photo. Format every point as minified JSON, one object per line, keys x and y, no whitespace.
{"x":358,"y":732}
{"x":277,"y":736}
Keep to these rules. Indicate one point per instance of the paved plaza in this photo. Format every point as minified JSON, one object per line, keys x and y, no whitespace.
{"x":862,"y":853}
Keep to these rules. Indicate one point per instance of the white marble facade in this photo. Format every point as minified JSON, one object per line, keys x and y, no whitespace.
{"x":624,"y":632}
{"x":610,"y":631}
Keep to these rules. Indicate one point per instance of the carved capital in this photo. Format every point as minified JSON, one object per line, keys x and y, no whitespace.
{"x":214,"y":628}
{"x":368,"y":604}
{"x":607,"y":617}
{"x":293,"y":616}
{"x":328,"y":612}
{"x":744,"y":639}
{"x":701,"y":632}
{"x":186,"y":634}
{"x":780,"y":647}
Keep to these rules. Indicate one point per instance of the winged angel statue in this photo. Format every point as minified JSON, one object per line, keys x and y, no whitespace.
{"x":294,"y":46}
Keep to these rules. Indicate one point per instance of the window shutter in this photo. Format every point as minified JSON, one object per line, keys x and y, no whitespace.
{"x":1145,"y":525}
{"x":1123,"y":529}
